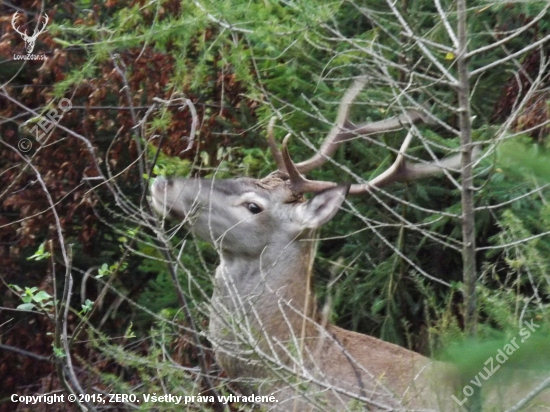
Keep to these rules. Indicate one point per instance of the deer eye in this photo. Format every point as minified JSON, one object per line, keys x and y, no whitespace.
{"x":254,"y":208}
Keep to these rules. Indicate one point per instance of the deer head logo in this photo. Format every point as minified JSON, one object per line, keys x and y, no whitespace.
{"x":29,"y":40}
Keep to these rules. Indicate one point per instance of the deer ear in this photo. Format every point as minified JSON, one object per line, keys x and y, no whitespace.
{"x":322,"y":207}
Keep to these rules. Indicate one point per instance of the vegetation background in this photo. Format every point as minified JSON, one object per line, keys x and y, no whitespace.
{"x":95,"y":299}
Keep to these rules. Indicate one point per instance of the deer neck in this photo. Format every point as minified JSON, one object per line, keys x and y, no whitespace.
{"x":273,"y":288}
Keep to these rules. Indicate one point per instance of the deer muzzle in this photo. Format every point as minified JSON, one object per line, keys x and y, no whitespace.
{"x":165,"y":199}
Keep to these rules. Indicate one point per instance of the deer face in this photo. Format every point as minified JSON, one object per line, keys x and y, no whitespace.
{"x":244,"y":216}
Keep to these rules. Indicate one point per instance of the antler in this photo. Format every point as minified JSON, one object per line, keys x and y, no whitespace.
{"x":344,"y":130}
{"x":400,"y":170}
{"x":13,"y":21}
{"x":45,"y":23}
{"x":36,"y":32}
{"x":273,"y":146}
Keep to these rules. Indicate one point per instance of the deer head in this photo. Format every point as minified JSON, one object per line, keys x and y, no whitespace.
{"x":29,"y":40}
{"x":243,"y":216}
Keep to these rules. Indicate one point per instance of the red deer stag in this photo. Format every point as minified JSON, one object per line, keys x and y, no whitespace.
{"x":265,"y":327}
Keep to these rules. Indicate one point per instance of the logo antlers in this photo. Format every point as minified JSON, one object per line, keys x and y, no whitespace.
{"x":29,"y":40}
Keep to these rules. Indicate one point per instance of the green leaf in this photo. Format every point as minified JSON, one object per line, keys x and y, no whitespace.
{"x":87,"y":306}
{"x":129,"y":332}
{"x":40,"y":253}
{"x":103,"y":270}
{"x":40,"y":296}
{"x":26,"y":306}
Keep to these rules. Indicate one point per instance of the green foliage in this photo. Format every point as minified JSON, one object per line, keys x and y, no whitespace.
{"x":521,"y":241}
{"x":40,"y":253}
{"x":33,"y":298}
{"x":87,"y":306}
{"x":157,"y":372}
{"x":168,"y":166}
{"x":519,"y":352}
{"x":522,"y":158}
{"x":59,"y":353}
{"x":105,"y":269}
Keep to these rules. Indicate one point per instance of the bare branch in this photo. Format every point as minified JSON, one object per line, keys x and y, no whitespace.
{"x":514,"y":34}
{"x":511,"y":56}
{"x":25,"y":353}
{"x":545,"y":384}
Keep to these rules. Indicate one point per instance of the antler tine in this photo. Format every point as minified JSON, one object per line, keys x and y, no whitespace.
{"x":298,"y":183}
{"x":344,"y":129}
{"x":339,"y":132}
{"x":273,"y":146}
{"x":400,"y":170}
